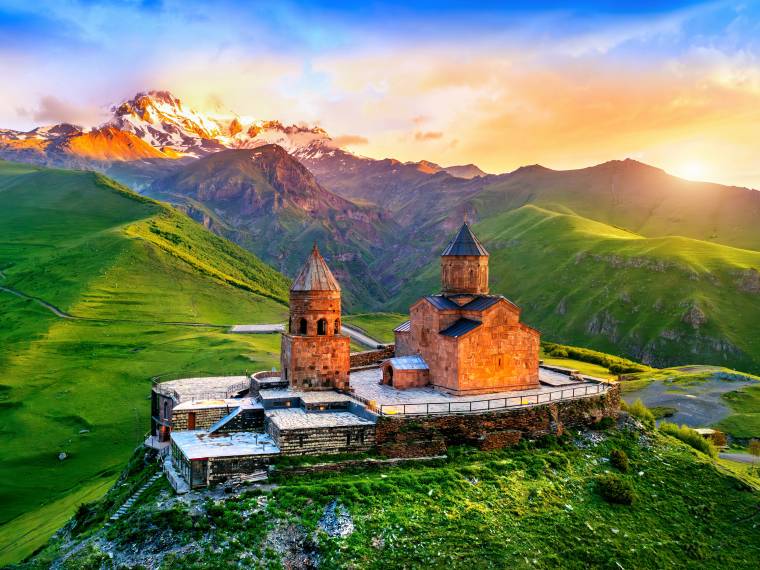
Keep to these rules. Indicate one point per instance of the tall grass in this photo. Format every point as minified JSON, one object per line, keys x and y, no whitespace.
{"x":690,"y":437}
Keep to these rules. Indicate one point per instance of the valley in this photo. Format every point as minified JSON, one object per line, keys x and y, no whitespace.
{"x":129,"y":267}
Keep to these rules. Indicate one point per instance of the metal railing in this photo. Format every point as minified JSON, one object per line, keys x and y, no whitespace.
{"x":478,"y":406}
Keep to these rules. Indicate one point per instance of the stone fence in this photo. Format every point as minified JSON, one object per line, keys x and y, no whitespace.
{"x":487,"y":405}
{"x":415,"y":436}
{"x":371,"y":357}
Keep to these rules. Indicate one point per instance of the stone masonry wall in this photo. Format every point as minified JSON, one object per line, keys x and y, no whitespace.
{"x":315,"y":362}
{"x":204,"y":418}
{"x":222,"y":468}
{"x":420,"y":436}
{"x":323,"y":441}
{"x":371,"y":357}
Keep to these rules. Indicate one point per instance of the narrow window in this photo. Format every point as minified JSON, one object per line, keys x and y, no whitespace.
{"x":166,"y":410}
{"x":302,"y":326}
{"x":322,"y":327}
{"x":348,"y":438}
{"x":337,"y":327}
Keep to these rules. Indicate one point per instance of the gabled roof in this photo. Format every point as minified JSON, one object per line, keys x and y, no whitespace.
{"x":460,"y":327}
{"x":315,"y":275}
{"x":464,"y":243}
{"x":406,"y":326}
{"x":478,"y":303}
{"x":415,"y":362}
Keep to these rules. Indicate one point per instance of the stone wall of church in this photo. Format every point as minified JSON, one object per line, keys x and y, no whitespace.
{"x":315,"y":362}
{"x":464,"y":274}
{"x":497,"y":356}
{"x":415,"y":436}
{"x":311,"y":307}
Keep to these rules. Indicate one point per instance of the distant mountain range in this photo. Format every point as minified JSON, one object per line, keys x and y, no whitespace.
{"x":274,"y":189}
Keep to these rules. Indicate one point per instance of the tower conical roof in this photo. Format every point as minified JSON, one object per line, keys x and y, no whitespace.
{"x":315,"y":275}
{"x":464,"y":243}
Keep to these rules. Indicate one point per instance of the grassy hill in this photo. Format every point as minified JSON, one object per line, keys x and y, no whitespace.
{"x":663,"y":301}
{"x":129,"y":270}
{"x":536,"y":506}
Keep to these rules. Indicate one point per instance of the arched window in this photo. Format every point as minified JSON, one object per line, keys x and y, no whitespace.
{"x":337,"y":327}
{"x":322,"y":327}
{"x":166,"y":410}
{"x":302,"y":326}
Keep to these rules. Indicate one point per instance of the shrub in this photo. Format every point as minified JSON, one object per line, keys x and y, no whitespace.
{"x":619,"y":460}
{"x":615,"y":489}
{"x":640,"y":411}
{"x":604,"y":424}
{"x":614,"y":364}
{"x":689,"y":437}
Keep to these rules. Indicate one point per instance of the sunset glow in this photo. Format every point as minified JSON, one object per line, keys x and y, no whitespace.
{"x":675,"y":85}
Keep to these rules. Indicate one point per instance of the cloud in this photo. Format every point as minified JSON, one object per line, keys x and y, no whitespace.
{"x":427,"y":135}
{"x":50,"y":109}
{"x":349,"y":140}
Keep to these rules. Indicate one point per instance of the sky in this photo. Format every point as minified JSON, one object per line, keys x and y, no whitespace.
{"x":498,"y":84}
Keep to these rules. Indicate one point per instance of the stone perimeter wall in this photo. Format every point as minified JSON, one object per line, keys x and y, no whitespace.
{"x":421,"y":436}
{"x":371,"y":357}
{"x":323,"y":441}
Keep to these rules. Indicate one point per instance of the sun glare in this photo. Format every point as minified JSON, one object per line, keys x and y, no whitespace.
{"x":691,"y":170}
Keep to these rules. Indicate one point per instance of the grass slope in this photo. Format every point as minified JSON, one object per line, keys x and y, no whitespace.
{"x":663,"y":301}
{"x":536,"y":506}
{"x":126,"y":265}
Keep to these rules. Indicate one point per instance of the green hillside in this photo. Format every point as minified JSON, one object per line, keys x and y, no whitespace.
{"x":129,"y":269}
{"x":540,"y":505}
{"x":663,"y":301}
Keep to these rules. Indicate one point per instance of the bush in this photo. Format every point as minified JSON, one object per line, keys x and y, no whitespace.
{"x":640,"y":411}
{"x":619,"y":460}
{"x":689,"y":437}
{"x":604,"y":424}
{"x":615,"y":489}
{"x":614,"y":364}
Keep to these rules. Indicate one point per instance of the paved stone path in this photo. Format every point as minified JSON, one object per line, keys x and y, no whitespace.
{"x":131,"y":501}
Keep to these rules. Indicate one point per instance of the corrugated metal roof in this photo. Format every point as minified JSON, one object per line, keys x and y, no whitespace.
{"x":441,"y":302}
{"x":460,"y":327}
{"x":406,"y":326}
{"x":415,"y":362}
{"x":315,"y":275}
{"x":481,"y":303}
{"x":464,"y":243}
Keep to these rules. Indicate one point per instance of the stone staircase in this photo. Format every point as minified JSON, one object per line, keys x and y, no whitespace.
{"x":136,"y":495}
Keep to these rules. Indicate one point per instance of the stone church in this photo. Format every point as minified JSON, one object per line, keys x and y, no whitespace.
{"x":464,"y":340}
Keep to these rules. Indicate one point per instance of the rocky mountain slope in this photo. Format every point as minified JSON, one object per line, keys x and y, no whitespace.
{"x":381,"y":221}
{"x":270,"y":203}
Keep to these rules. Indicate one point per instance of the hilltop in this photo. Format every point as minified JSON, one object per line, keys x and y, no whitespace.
{"x":102,"y":290}
{"x":536,"y":506}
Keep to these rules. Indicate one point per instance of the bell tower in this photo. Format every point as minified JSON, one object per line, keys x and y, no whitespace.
{"x":464,"y":265}
{"x":314,"y":354}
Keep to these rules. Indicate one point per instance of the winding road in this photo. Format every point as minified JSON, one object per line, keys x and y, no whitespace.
{"x":357,"y":335}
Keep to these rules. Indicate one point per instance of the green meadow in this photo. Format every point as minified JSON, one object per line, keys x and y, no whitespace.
{"x":665,"y":300}
{"x":152,"y":294}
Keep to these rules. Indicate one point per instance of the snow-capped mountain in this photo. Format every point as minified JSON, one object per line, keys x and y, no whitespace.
{"x":160,"y":119}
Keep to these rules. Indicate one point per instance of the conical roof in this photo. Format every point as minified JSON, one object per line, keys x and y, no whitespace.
{"x":315,"y":275}
{"x":464,"y":243}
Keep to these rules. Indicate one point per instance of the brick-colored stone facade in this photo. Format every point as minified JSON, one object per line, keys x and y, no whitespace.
{"x":315,"y":362}
{"x":403,"y":379}
{"x":464,"y":274}
{"x":201,"y":418}
{"x":499,"y":355}
{"x":431,"y":435}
